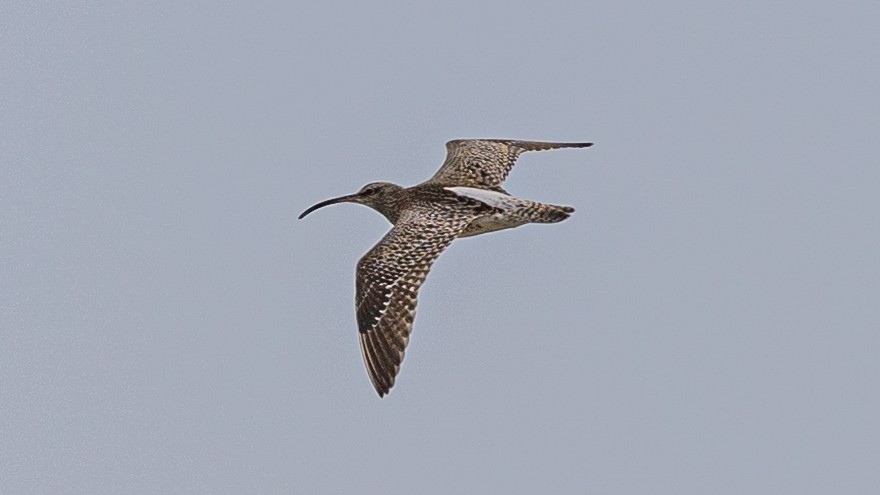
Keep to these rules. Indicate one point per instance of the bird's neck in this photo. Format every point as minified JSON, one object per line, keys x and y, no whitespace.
{"x":392,"y":206}
{"x":392,"y":214}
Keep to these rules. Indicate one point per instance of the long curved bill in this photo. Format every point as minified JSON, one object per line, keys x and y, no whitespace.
{"x":340,"y":199}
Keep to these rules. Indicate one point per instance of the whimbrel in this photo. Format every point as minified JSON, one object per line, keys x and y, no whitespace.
{"x":464,"y":198}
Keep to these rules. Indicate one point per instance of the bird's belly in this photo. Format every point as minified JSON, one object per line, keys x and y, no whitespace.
{"x":491,"y":223}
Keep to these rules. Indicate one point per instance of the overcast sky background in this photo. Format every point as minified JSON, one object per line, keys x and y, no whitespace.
{"x":706,"y":322}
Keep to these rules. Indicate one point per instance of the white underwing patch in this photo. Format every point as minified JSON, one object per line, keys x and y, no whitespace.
{"x":491,"y":198}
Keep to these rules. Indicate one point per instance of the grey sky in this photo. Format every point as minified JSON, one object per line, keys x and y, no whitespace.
{"x":706,"y":322}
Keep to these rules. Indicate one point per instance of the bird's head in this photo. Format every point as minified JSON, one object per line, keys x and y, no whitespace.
{"x":380,"y":196}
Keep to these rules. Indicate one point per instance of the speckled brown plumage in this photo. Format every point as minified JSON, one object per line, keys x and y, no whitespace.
{"x":462,"y":199}
{"x":487,"y":162}
{"x":388,"y":280}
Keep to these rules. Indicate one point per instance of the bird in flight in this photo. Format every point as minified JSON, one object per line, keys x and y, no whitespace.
{"x":464,"y":198}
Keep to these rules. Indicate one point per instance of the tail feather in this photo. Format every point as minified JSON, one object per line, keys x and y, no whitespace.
{"x":544,"y":213}
{"x":518,"y":211}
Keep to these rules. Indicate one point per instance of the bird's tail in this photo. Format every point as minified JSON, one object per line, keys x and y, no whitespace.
{"x":543,"y":213}
{"x":516,"y":209}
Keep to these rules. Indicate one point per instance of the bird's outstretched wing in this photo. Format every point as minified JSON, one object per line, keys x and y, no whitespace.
{"x":388,"y":280}
{"x":485,"y":163}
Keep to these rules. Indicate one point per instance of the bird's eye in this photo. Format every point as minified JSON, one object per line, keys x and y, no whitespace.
{"x":370,"y":191}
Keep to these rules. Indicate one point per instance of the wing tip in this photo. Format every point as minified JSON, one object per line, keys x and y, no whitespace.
{"x":383,"y":390}
{"x":382,"y":381}
{"x":546,"y":145}
{"x":573,"y":145}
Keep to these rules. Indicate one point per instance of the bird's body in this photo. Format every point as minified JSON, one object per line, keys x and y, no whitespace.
{"x":464,"y":198}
